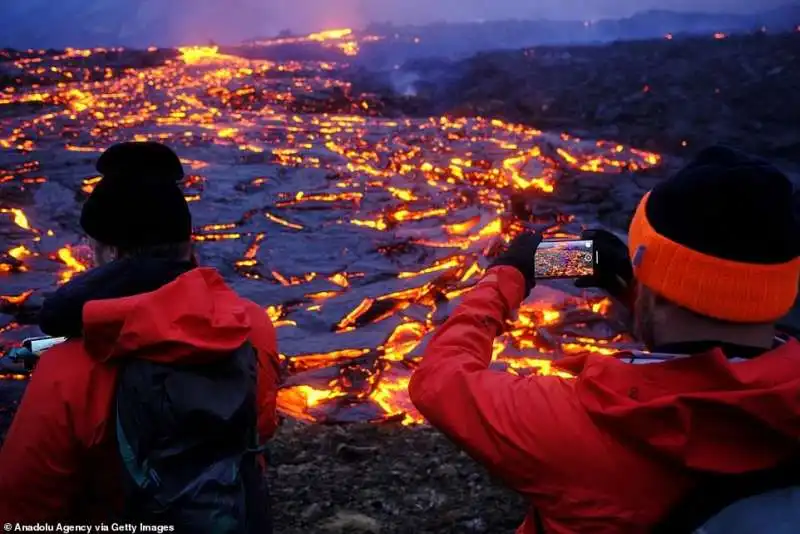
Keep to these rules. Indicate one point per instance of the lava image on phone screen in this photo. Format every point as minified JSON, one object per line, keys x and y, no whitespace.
{"x":565,"y":259}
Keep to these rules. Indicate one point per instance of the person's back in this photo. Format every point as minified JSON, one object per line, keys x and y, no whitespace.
{"x":758,"y":514}
{"x":166,"y":371}
{"x":745,"y":503}
{"x":617,"y":448}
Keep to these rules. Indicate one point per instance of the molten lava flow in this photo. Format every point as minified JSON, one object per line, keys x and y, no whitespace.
{"x":358,"y":236}
{"x":297,"y":401}
{"x":16,"y":299}
{"x":392,"y":398}
{"x":196,"y":54}
{"x":20,"y":252}
{"x":345,"y":40}
{"x":404,"y":339}
{"x":90,"y":183}
{"x":19,"y":217}
{"x":73,"y":265}
{"x":330,"y":35}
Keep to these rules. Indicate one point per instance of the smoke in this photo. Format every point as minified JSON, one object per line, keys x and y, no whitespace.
{"x":43,"y":23}
{"x":404,"y":82}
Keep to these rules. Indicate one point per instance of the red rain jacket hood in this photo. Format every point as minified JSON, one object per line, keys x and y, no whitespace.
{"x":60,"y":460}
{"x":193,"y":319}
{"x":683,"y":409}
{"x":613,"y":449}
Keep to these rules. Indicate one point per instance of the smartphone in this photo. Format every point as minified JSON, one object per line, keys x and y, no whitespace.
{"x":565,"y":258}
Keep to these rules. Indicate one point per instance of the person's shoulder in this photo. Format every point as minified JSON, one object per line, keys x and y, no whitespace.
{"x":66,"y":360}
{"x":67,"y":370}
{"x":260,"y":323}
{"x":68,"y":380}
{"x":258,"y":315}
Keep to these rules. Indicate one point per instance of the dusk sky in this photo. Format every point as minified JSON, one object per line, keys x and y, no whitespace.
{"x":171,"y":21}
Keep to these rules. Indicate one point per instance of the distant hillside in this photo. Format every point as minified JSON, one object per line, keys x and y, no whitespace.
{"x":654,"y":23}
{"x":141,"y":23}
{"x":670,"y":96}
{"x":461,"y":40}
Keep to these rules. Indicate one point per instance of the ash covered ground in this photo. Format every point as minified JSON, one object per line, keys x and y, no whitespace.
{"x":355,"y":231}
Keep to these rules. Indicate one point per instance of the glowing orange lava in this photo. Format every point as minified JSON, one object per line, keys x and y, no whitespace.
{"x":400,"y":212}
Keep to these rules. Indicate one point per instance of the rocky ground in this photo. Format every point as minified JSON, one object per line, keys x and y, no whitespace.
{"x":388,"y":479}
{"x":74,"y":65}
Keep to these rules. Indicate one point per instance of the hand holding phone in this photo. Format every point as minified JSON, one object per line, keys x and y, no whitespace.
{"x":518,"y":255}
{"x":565,"y":258}
{"x":614,"y":272}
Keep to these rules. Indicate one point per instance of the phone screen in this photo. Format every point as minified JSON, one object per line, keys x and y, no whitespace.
{"x":574,"y":258}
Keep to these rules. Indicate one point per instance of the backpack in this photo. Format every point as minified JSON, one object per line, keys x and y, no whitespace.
{"x":766,"y":501}
{"x":188,"y":439}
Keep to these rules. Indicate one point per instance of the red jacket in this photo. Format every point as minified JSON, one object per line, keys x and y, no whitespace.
{"x":60,"y":460}
{"x":612,"y":449}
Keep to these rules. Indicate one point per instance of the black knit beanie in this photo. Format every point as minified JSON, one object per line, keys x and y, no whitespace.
{"x":720,"y":238}
{"x":138,"y":202}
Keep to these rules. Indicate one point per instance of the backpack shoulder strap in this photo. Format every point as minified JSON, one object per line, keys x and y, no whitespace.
{"x":538,"y":524}
{"x":714,"y":493}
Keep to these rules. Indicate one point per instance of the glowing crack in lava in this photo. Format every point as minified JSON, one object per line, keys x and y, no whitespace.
{"x":343,"y":39}
{"x":358,"y":235}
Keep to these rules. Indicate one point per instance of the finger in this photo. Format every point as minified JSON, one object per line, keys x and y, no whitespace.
{"x":536,"y":240}
{"x":526,"y":241}
{"x":529,"y":238}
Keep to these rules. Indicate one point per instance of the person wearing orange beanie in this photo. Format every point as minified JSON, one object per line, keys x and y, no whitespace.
{"x":705,"y":436}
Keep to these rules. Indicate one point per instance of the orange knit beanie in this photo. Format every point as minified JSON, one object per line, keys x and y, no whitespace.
{"x":720,"y":238}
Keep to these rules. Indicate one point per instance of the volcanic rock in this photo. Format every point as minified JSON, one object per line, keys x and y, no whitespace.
{"x":669,"y":95}
{"x":351,"y":522}
{"x":352,"y":453}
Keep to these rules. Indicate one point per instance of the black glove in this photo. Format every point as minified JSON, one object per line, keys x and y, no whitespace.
{"x":613,"y":272}
{"x":521,"y":254}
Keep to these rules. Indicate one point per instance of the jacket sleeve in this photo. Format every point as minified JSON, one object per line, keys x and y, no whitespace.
{"x":40,"y":459}
{"x":264,"y":340}
{"x":487,"y":413}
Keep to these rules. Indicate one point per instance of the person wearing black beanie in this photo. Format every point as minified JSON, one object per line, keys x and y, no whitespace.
{"x":166,"y":373}
{"x":138,"y":203}
{"x":674,"y":447}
